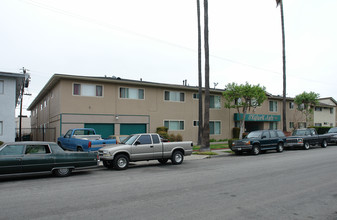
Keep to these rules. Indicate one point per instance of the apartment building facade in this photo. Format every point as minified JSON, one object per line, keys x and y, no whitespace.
{"x":115,"y":106}
{"x":10,"y":84}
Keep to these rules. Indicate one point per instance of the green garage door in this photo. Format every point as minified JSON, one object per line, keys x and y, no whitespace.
{"x":127,"y":129}
{"x":105,"y":130}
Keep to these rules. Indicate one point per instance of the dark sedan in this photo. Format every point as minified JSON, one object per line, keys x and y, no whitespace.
{"x":33,"y":157}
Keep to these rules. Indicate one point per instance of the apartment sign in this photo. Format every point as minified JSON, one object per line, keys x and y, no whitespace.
{"x":257,"y":117}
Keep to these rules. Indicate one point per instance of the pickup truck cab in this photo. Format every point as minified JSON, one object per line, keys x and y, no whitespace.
{"x":304,"y":138}
{"x":138,"y":147}
{"x":260,"y":141}
{"x":83,"y":139}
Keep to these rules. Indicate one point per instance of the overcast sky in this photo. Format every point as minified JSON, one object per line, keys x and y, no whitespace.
{"x":156,"y":40}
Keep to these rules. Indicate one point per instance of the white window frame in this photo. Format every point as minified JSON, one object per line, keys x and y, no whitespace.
{"x":195,"y":96}
{"x":291,"y":124}
{"x":1,"y":128}
{"x":216,"y":105}
{"x":128,"y":92}
{"x":196,"y":123}
{"x":179,"y":121}
{"x":2,"y":87}
{"x":82,"y":89}
{"x":214,"y":128}
{"x":291,"y":105}
{"x":176,"y":93}
{"x":274,"y":106}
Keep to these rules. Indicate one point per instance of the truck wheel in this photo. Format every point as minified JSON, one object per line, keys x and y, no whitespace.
{"x":279,"y":147}
{"x":324,"y":144}
{"x":306,"y":146}
{"x":62,"y":172}
{"x":79,"y":149}
{"x":121,"y":162}
{"x":177,"y":157}
{"x":163,"y":161}
{"x":255,"y":149}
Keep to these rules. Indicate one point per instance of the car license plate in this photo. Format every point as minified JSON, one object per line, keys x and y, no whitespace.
{"x":239,"y":148}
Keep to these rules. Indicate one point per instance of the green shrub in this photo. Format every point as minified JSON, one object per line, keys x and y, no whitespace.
{"x":236,"y":132}
{"x":1,"y":143}
{"x":322,"y":130}
{"x":179,"y":137}
{"x":162,"y":129}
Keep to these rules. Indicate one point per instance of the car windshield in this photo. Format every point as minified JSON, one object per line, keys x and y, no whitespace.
{"x":254,"y":134}
{"x":129,"y":140}
{"x":333,"y":130}
{"x":300,"y":133}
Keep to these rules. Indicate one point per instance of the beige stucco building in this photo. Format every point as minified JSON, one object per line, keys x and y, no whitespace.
{"x":119,"y":106}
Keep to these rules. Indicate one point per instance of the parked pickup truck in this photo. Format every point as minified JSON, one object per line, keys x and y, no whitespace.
{"x":138,"y":147}
{"x":83,"y":139}
{"x":304,"y":138}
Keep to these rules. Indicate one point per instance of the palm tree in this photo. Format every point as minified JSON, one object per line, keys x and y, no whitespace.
{"x":280,"y":2}
{"x":205,"y":141}
{"x":199,"y":76}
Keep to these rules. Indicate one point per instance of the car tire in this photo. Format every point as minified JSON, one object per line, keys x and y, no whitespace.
{"x":256,"y":150}
{"x":280,"y":147}
{"x":120,"y":162}
{"x":62,"y":172}
{"x":324,"y":144}
{"x":163,"y":160}
{"x":177,"y":157}
{"x":79,"y":149}
{"x":306,"y":146}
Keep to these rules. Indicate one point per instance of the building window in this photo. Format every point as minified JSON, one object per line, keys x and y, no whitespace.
{"x":174,"y":96}
{"x":215,"y":101}
{"x":45,"y":103}
{"x":41,"y":107}
{"x":1,"y":128}
{"x":318,"y":124}
{"x":174,"y":125}
{"x":87,"y":90}
{"x":291,"y":125}
{"x":273,"y":106}
{"x":195,"y":95}
{"x":195,"y":123}
{"x":214,"y":127}
{"x":130,"y":93}
{"x":331,"y":110}
{"x":2,"y":87}
{"x":318,"y":109}
{"x":302,"y":124}
{"x":273,"y":125}
{"x":291,"y":105}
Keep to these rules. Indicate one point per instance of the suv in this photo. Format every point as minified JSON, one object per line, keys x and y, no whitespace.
{"x":260,"y":141}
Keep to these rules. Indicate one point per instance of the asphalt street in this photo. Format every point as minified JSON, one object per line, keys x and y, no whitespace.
{"x":295,"y":184}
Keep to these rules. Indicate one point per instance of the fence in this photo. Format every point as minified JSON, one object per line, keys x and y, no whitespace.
{"x":36,"y":134}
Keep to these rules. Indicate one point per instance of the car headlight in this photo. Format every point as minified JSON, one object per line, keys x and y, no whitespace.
{"x":300,"y":140}
{"x":246,"y":142}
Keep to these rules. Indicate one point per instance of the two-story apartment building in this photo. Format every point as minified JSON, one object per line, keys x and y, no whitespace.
{"x":325,"y":112}
{"x":10,"y":85}
{"x":118,"y":106}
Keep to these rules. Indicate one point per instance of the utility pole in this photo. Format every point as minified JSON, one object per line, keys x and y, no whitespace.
{"x":25,"y":83}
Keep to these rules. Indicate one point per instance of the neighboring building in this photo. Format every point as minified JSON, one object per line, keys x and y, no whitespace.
{"x":117,"y":106}
{"x":25,"y":128}
{"x":10,"y":86}
{"x":325,"y":112}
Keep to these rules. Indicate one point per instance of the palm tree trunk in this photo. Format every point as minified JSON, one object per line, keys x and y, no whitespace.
{"x":205,"y":141}
{"x":200,"y":124}
{"x":284,"y":71}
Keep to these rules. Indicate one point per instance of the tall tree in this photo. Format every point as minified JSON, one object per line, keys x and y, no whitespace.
{"x":205,"y":140}
{"x":200,"y":126}
{"x":243,"y":98}
{"x":284,"y":116}
{"x":305,"y":103}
